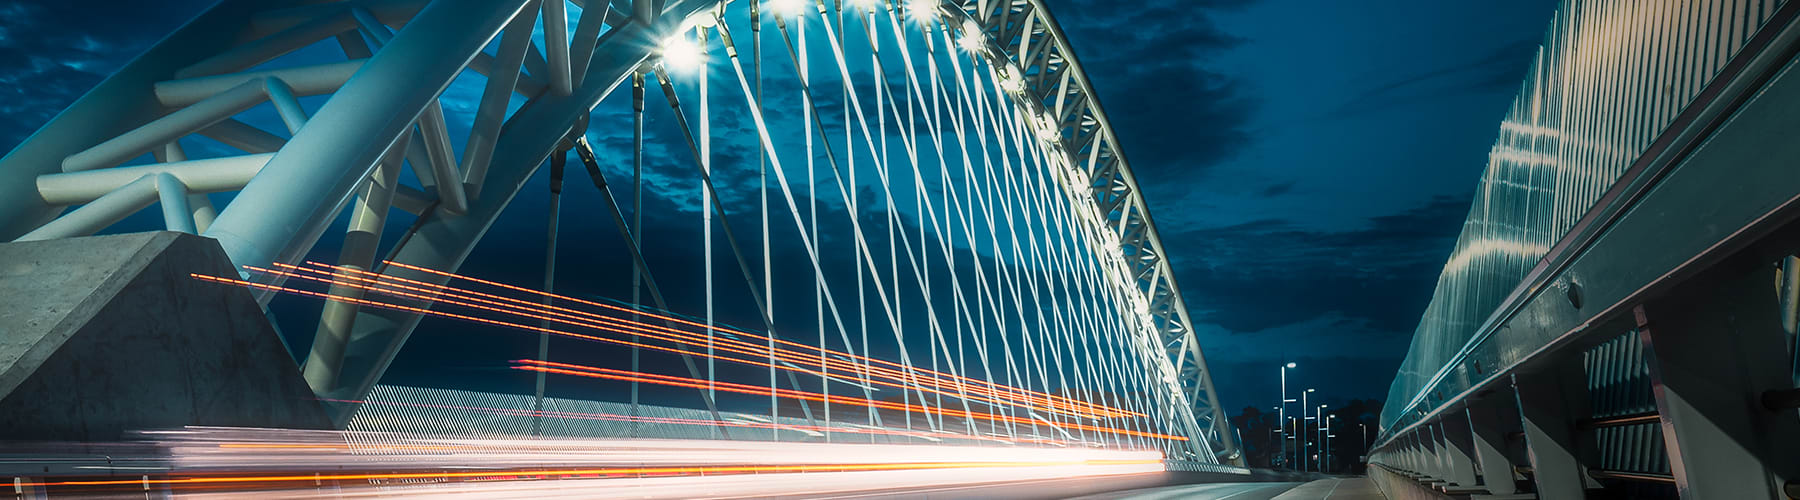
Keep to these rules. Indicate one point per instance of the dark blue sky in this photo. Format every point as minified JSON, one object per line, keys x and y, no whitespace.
{"x":1308,"y":162}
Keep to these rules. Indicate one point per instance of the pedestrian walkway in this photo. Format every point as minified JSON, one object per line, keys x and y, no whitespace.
{"x":1206,"y":491}
{"x":1355,"y":488}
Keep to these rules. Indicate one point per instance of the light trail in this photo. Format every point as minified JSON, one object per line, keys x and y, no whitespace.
{"x":674,"y":381}
{"x":634,"y":328}
{"x":575,"y":473}
{"x":455,"y":296}
{"x":1074,"y":403}
{"x":699,"y":384}
{"x":692,"y":421}
{"x":1090,"y":410}
{"x":289,"y":463}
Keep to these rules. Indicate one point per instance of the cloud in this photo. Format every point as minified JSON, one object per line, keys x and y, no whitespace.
{"x":53,"y":52}
{"x":1279,"y":189}
{"x":1497,"y":71}
{"x":1177,"y":117}
{"x":1258,"y":275}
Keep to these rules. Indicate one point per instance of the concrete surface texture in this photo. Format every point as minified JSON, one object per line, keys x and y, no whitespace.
{"x":1214,"y":491}
{"x":1354,"y":488}
{"x":106,"y":334}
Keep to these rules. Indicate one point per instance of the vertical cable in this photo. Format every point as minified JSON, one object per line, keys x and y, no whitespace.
{"x":706,"y":215}
{"x":637,"y":218}
{"x":881,"y":168}
{"x":762,"y":196}
{"x":862,"y":307}
{"x":812,"y":210}
{"x":557,"y":160}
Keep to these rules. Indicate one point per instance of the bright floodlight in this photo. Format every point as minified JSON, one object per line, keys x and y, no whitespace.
{"x":1290,"y":365}
{"x":1009,"y":79}
{"x":787,"y":8}
{"x":923,"y":11}
{"x":681,"y":54}
{"x":971,"y":37}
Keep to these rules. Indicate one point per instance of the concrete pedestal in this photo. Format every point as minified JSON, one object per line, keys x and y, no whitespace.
{"x":108,"y":334}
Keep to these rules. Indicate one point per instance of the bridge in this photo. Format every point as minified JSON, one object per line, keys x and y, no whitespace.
{"x":808,"y":245}
{"x":1618,"y":317}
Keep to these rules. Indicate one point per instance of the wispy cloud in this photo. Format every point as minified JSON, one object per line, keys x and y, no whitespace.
{"x":1497,"y":71}
{"x":1259,"y":275}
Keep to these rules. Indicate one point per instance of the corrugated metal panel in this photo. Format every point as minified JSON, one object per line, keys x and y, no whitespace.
{"x":1619,"y":384}
{"x":1609,"y":77}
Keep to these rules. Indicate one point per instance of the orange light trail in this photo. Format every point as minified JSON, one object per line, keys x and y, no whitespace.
{"x":682,"y":337}
{"x":759,"y":390}
{"x":1073,"y":403}
{"x":674,"y":381}
{"x":570,"y":473}
{"x":986,"y":395}
{"x":683,"y":421}
{"x":451,"y":295}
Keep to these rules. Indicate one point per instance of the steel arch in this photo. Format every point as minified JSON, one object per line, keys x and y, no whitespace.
{"x":384,"y":106}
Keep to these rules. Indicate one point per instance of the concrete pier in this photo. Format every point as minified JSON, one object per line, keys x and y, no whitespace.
{"x":107,"y":334}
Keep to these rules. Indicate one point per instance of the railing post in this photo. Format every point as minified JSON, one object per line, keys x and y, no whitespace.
{"x":1712,"y":353}
{"x":1490,"y":448}
{"x":1440,"y":447}
{"x":1547,"y":416}
{"x":1415,"y":454}
{"x":1405,"y":450}
{"x":1459,"y":455}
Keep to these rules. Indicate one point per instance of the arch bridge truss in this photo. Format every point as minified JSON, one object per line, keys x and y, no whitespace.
{"x":946,"y":167}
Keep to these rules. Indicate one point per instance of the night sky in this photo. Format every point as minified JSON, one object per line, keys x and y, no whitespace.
{"x":1308,"y":163}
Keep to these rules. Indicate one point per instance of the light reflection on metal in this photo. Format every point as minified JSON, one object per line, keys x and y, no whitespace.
{"x":1583,"y":138}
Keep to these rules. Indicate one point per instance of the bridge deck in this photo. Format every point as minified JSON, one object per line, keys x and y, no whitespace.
{"x":1357,"y":488}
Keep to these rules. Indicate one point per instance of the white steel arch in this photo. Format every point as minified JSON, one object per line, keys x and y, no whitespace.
{"x":383,"y":116}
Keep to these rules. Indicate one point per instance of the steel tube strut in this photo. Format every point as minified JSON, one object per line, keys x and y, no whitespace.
{"x":282,"y":212}
{"x":361,"y":239}
{"x":558,"y":159}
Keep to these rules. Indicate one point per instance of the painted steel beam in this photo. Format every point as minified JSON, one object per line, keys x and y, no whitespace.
{"x":1041,"y":49}
{"x":285,"y":209}
{"x":443,"y":241}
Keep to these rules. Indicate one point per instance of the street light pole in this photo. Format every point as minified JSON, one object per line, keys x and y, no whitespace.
{"x":1319,"y":415}
{"x":1275,"y":430}
{"x":1301,"y":444}
{"x":1365,"y":437}
{"x":1325,"y":457}
{"x":1294,"y":424}
{"x":1282,"y":412}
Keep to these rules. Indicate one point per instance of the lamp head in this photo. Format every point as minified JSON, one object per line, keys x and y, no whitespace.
{"x":787,"y":8}
{"x":922,"y":11}
{"x":681,"y":54}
